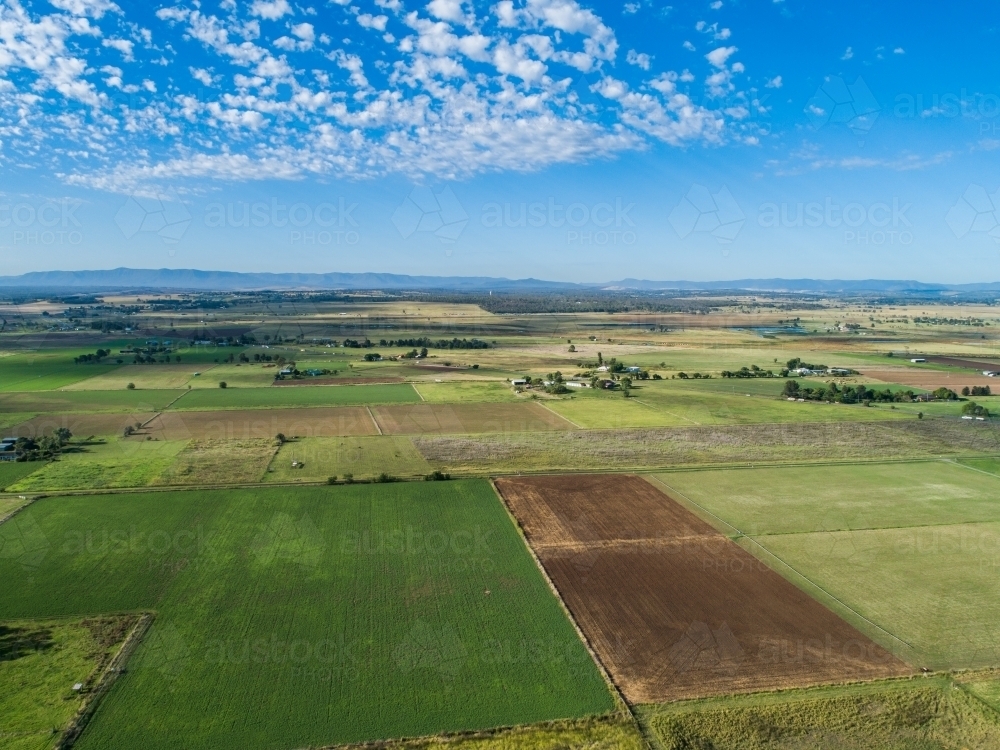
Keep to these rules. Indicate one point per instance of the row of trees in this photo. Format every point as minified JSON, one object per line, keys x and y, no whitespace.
{"x":43,"y":448}
{"x":855,"y":394}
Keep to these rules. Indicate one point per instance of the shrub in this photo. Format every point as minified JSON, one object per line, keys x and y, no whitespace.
{"x":384,"y":478}
{"x":348,"y":479}
{"x":280,"y":437}
{"x":131,"y":386}
{"x":437,"y":476}
{"x":331,"y":480}
{"x":222,"y":384}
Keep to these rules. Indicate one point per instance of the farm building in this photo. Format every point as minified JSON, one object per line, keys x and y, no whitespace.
{"x":575,"y":384}
{"x":7,"y":449}
{"x":519,"y":381}
{"x":918,"y":359}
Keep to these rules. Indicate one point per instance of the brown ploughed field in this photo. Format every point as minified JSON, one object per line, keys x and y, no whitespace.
{"x":423,"y":419}
{"x":673,"y":608}
{"x":245,"y":424}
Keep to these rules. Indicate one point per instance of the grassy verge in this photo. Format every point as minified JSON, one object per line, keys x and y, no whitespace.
{"x":365,"y":457}
{"x":40,"y":662}
{"x":925,"y":713}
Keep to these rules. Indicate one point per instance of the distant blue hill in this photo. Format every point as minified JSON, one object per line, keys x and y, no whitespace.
{"x":195,"y":280}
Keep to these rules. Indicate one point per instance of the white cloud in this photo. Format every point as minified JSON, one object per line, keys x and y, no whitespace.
{"x":122,"y":45}
{"x":774,"y":83}
{"x":369,"y":21}
{"x":899,"y":51}
{"x":640,"y":59}
{"x":631,"y":8}
{"x":202,"y":76}
{"x":270,"y":10}
{"x":688,"y":46}
{"x":89,"y":8}
{"x":446,"y":10}
{"x":848,"y":54}
{"x":719,"y":55}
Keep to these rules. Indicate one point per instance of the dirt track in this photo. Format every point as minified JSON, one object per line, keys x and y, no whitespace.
{"x":338,"y":381}
{"x":673,"y":608}
{"x":424,"y":419}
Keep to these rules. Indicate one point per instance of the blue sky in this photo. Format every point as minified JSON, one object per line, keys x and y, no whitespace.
{"x":559,"y":139}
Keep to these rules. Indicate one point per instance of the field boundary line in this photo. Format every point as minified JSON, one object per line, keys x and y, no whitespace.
{"x":413,"y":385}
{"x":375,"y":421}
{"x":183,"y":394}
{"x":19,"y":508}
{"x":108,"y":677}
{"x":553,"y":411}
{"x":970,"y":468}
{"x":608,"y":680}
{"x":672,"y":414}
{"x":776,"y":557}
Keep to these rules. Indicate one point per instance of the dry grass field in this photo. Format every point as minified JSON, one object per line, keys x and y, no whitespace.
{"x":673,"y":608}
{"x":423,"y":419}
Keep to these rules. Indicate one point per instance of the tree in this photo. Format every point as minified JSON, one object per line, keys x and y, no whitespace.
{"x":280,"y":437}
{"x":131,"y":386}
{"x":791,"y":389}
{"x":63,"y":435}
{"x":572,"y":348}
{"x":222,"y":384}
{"x":965,"y":391}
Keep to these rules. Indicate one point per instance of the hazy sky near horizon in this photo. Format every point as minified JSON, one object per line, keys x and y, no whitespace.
{"x":560,"y":139}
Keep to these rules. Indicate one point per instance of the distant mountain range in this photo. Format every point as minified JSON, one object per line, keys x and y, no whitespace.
{"x":195,"y":280}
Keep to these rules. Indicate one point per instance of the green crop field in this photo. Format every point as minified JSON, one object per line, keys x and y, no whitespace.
{"x":261,"y":398}
{"x":305,"y":617}
{"x":12,"y":471}
{"x":908,"y":552}
{"x":925,"y":714}
{"x":664,"y":406}
{"x":115,"y":463}
{"x":834,"y":498}
{"x":466,"y":391}
{"x":43,"y":660}
{"x":57,"y":402}
{"x":364,"y":457}
{"x":44,"y":371}
{"x":236,"y":376}
{"x":143,"y":377}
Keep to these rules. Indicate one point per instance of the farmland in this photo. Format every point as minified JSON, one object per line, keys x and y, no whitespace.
{"x":669,"y":561}
{"x":44,"y":659}
{"x":260,"y":398}
{"x":460,"y":610}
{"x":245,"y":424}
{"x":675,"y":609}
{"x":922,"y":536}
